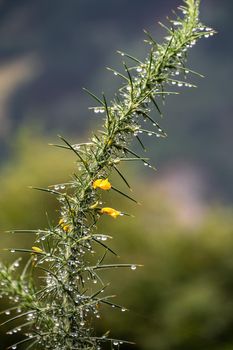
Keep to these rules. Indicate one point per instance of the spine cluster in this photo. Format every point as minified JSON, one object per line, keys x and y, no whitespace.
{"x":58,"y":312}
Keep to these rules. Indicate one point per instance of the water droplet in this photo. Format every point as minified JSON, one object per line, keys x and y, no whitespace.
{"x":123,"y":309}
{"x":7,"y":312}
{"x":63,"y":187}
{"x":177,"y":72}
{"x":74,"y":335}
{"x":12,"y":250}
{"x":150,"y":134}
{"x":115,"y":343}
{"x":115,"y":73}
{"x":56,"y":187}
{"x":139,"y":69}
{"x":206,"y":35}
{"x":133,"y":267}
{"x":14,"y":347}
{"x":146,"y":164}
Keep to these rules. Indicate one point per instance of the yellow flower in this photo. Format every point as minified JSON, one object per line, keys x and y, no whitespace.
{"x":37,"y":250}
{"x":109,"y":142}
{"x":66,"y":228}
{"x":111,"y":212}
{"x":61,"y":222}
{"x":103,"y":184}
{"x":63,"y":225}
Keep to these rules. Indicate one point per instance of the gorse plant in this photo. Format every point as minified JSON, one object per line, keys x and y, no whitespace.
{"x":58,"y":312}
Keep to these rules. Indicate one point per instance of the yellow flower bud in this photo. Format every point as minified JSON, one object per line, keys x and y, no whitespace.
{"x":103,"y":184}
{"x":61,"y":221}
{"x":111,"y":212}
{"x":64,"y":226}
{"x":37,"y":250}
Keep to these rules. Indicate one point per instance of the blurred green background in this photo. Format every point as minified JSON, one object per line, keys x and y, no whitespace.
{"x":182,"y":234}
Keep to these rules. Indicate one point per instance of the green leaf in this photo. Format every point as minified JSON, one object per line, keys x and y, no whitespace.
{"x":117,"y":73}
{"x":141,"y":144}
{"x":94,"y":96}
{"x":125,"y":195}
{"x":122,"y":176}
{"x":76,"y":152}
{"x":129,"y":56}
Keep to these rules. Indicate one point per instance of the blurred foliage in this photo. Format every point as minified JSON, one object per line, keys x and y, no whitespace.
{"x":32,"y":163}
{"x":181,"y":298}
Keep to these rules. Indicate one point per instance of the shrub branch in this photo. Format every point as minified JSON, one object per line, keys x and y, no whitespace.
{"x":58,"y":312}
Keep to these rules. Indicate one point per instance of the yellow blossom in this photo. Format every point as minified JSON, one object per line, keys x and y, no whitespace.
{"x":103,"y":184}
{"x":61,"y":222}
{"x":111,"y":212}
{"x":37,"y":250}
{"x":66,"y":228}
{"x":63,"y":225}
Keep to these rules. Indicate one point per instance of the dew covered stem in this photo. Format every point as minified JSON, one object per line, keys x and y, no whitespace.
{"x":59,"y":310}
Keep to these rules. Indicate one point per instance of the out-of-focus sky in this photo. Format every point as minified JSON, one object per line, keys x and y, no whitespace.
{"x":50,"y":49}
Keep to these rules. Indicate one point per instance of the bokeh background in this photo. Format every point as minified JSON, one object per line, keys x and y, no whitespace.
{"x":183,"y":233}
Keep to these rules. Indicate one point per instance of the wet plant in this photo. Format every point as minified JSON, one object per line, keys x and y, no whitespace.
{"x":58,"y":311}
